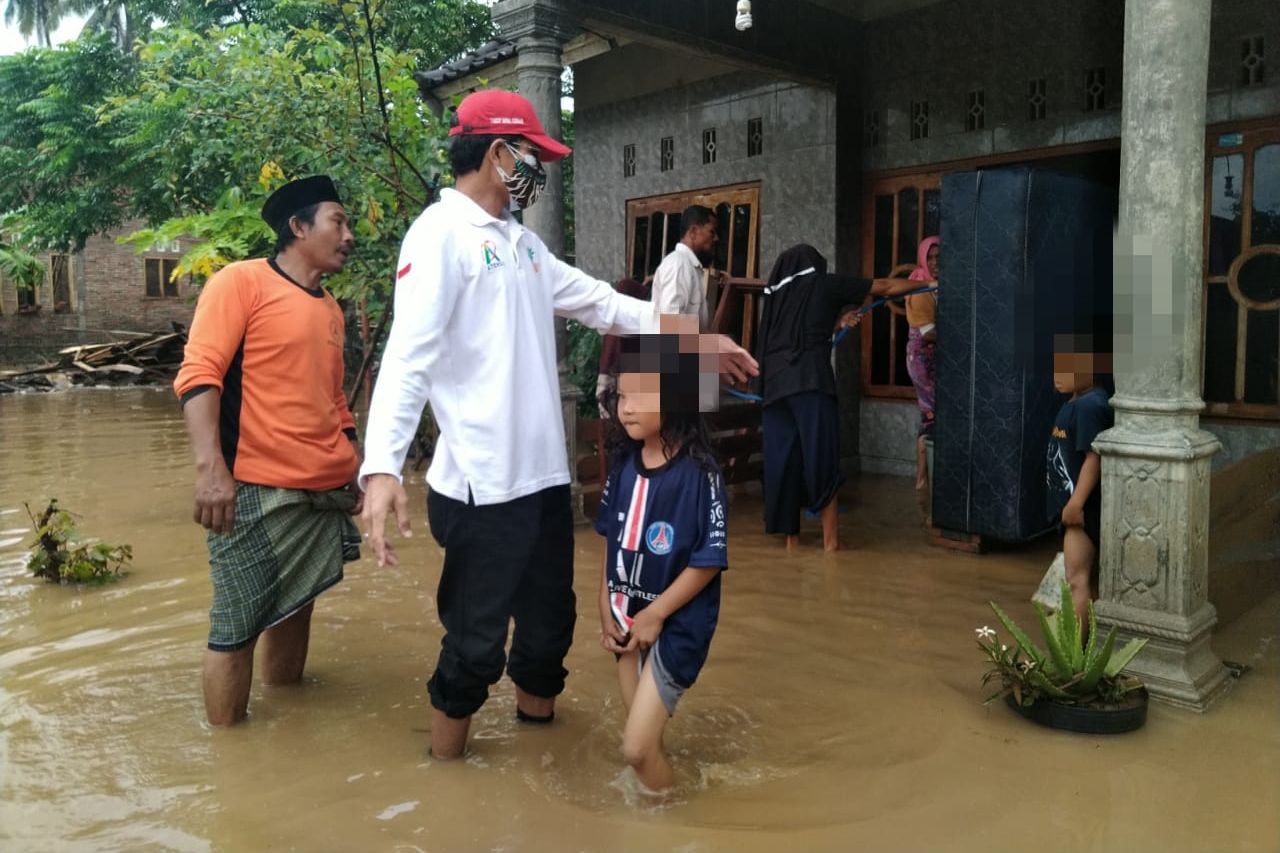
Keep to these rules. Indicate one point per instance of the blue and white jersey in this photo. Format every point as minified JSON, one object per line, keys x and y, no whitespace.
{"x":658,"y":523}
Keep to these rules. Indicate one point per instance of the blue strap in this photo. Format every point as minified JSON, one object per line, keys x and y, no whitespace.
{"x":755,"y":398}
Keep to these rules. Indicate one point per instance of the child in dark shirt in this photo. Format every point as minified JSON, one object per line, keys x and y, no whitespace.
{"x":1073,"y":468}
{"x":663,"y":513}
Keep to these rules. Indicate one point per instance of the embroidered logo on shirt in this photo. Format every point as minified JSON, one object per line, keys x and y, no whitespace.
{"x":533,"y":261}
{"x":659,"y":537}
{"x":491,"y":259}
{"x":404,"y":271}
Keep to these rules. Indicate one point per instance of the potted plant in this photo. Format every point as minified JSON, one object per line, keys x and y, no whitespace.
{"x":1067,"y":684}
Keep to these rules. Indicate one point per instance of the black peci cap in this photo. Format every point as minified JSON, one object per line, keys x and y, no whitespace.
{"x":294,"y":196}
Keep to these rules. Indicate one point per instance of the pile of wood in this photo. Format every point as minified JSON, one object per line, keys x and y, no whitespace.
{"x":134,"y":358}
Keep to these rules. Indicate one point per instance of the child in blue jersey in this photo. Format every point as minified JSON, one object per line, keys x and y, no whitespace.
{"x":663,"y":513}
{"x":1073,"y":470}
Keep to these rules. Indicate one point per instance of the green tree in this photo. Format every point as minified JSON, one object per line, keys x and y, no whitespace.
{"x":63,"y":180}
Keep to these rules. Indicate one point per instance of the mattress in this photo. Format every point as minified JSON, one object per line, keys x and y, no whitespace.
{"x":1026,"y":254}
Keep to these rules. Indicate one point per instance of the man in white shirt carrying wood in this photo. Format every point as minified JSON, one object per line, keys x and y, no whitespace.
{"x":474,"y":334}
{"x":679,"y":284}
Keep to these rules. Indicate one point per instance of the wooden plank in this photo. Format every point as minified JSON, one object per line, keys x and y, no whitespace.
{"x":86,"y":368}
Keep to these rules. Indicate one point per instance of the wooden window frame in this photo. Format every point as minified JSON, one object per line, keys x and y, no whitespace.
{"x":68,"y":305}
{"x":675,"y":203}
{"x":928,"y":180}
{"x":165,"y":280}
{"x":1256,"y":134}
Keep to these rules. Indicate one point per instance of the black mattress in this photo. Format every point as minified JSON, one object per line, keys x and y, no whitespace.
{"x":1026,"y":254}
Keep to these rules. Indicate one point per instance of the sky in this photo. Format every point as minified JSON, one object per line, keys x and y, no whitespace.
{"x":11,"y":41}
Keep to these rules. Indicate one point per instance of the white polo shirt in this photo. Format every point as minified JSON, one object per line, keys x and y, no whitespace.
{"x":678,"y":286}
{"x":474,"y":334}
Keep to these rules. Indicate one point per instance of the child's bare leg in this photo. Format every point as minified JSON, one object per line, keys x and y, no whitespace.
{"x":1079,"y":555}
{"x":922,"y":465}
{"x":628,"y":677}
{"x":831,"y":526}
{"x":793,"y":541}
{"x":642,"y":739}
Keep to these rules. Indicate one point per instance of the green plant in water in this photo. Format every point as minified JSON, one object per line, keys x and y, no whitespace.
{"x":1066,"y":670}
{"x":58,"y":554}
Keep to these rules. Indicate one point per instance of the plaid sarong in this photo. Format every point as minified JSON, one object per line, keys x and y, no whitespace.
{"x":287,"y":547}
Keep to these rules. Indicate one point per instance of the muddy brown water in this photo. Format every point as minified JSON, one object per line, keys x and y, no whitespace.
{"x":840,"y":708}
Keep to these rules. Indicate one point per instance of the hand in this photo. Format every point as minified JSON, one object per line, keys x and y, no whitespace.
{"x":645,"y":629}
{"x":215,"y":508}
{"x":1073,"y":515}
{"x":612,"y":637}
{"x":354,"y":488}
{"x":849,"y":319}
{"x":734,"y":360}
{"x":382,"y":494}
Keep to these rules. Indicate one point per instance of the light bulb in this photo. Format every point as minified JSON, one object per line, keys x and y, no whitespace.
{"x":743,"y":21}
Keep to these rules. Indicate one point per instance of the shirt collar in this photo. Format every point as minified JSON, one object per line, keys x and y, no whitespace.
{"x":477,"y":215}
{"x":681,"y":247}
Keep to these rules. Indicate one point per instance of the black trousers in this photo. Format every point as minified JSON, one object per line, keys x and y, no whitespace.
{"x":801,"y":447}
{"x":502,"y":562}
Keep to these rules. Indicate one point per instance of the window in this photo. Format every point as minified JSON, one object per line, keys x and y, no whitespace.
{"x":975,"y":116}
{"x":1242,"y":274}
{"x":1037,"y":101}
{"x":28,"y":299}
{"x":708,"y":146}
{"x":160,"y":282}
{"x":919,"y":120}
{"x":60,"y":282}
{"x":898,"y":214}
{"x":755,"y":137}
{"x":1095,"y":89}
{"x":1253,"y":64}
{"x":653,"y":226}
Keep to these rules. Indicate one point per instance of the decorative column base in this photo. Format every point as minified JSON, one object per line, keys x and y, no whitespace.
{"x":570,"y":394}
{"x":1155,"y":550}
{"x":1177,"y":665}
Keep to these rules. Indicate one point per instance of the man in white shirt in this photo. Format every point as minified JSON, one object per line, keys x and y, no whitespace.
{"x":678,"y":283}
{"x":474,"y":333}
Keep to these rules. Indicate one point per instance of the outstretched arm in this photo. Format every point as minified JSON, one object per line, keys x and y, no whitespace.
{"x":890,"y":287}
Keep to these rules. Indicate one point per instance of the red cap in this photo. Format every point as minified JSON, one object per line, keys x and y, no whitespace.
{"x":493,"y":112}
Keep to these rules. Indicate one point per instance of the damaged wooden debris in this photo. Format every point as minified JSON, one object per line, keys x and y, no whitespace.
{"x":134,"y":358}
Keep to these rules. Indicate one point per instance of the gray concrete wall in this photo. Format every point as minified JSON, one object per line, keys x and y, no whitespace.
{"x":940,"y":53}
{"x":796,"y":168}
{"x":943,"y":52}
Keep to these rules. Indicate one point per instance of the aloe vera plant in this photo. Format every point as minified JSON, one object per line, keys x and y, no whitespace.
{"x":1065,"y":669}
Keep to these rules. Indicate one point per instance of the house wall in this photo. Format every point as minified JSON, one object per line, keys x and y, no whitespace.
{"x":615,"y":105}
{"x":938,"y":54}
{"x":108,"y":287}
{"x":999,"y":46}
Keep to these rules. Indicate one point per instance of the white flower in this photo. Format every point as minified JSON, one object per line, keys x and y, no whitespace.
{"x":1003,"y":647}
{"x":985,"y":633}
{"x":1027,"y":665}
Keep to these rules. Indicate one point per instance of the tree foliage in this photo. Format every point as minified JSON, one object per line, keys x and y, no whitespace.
{"x":194,"y":128}
{"x":63,"y":181}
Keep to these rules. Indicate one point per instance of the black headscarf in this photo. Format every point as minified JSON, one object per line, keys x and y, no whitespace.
{"x":782,"y":329}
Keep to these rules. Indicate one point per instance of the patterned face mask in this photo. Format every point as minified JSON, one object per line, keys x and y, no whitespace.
{"x":528,"y":180}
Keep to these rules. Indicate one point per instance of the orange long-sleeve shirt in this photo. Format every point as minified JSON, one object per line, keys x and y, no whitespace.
{"x":274,"y":350}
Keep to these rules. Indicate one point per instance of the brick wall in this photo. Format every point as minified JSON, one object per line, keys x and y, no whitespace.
{"x":107,"y":289}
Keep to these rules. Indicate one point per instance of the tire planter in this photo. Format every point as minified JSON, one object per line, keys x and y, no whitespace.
{"x":1103,"y":720}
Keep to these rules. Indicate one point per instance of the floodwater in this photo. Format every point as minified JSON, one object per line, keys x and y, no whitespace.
{"x":840,"y":708}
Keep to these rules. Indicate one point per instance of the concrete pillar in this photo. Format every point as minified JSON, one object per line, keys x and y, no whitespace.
{"x":1155,"y":461}
{"x":539,"y":29}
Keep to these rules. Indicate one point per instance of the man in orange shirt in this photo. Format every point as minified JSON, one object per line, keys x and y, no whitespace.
{"x":274,"y":443}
